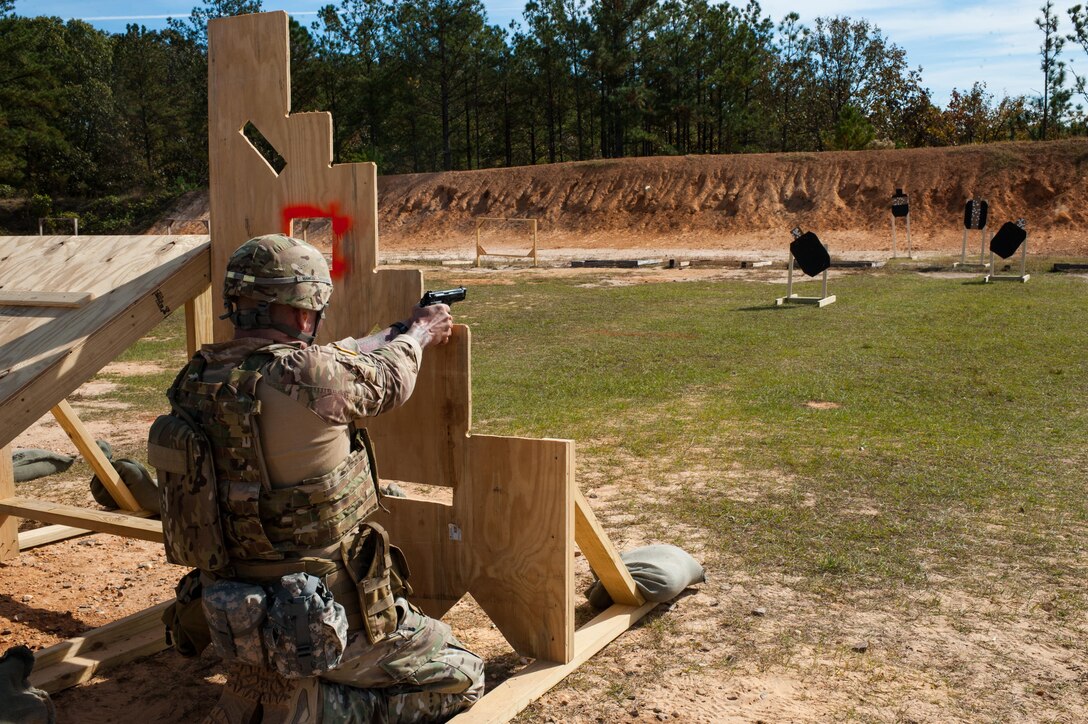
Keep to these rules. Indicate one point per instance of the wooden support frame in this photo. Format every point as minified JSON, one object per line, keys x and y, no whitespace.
{"x":821,"y":301}
{"x":910,"y":254}
{"x":1023,"y":276}
{"x":481,"y":251}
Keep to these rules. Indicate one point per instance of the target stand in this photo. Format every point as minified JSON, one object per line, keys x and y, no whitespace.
{"x":900,"y":210}
{"x":975,"y":212}
{"x":812,"y":256}
{"x":1008,"y":239}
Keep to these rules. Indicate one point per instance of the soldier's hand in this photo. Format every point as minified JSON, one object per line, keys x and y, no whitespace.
{"x":431,"y":325}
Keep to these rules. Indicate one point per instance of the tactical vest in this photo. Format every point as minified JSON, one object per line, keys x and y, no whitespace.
{"x":234,"y":515}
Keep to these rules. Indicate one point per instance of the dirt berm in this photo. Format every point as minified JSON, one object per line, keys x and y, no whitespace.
{"x":748,"y":201}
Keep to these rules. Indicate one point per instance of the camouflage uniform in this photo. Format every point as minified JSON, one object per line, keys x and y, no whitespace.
{"x":310,"y":396}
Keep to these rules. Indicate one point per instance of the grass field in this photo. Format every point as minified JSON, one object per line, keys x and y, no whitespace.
{"x":915,"y":424}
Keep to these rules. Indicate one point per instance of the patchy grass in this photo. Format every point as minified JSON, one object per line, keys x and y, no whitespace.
{"x":915,"y":424}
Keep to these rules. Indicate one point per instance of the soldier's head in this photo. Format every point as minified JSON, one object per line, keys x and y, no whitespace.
{"x":277,"y":282}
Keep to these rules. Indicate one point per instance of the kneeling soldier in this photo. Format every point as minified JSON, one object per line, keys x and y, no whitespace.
{"x":268,"y":482}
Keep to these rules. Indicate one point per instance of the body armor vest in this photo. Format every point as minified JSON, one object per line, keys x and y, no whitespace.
{"x":251,"y":522}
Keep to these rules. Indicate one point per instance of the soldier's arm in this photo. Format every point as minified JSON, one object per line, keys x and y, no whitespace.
{"x":428,"y":325}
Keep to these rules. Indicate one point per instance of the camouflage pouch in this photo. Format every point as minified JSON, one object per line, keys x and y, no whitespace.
{"x":307,"y":631}
{"x":380,"y":574}
{"x":186,"y":627}
{"x":187,"y":493}
{"x":235,"y":612}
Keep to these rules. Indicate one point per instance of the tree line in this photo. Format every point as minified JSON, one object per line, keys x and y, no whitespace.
{"x":425,"y":85}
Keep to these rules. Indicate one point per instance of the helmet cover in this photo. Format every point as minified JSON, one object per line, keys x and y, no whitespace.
{"x":279,"y":269}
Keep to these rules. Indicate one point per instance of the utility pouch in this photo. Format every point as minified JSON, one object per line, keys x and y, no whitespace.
{"x":235,"y":612}
{"x":380,"y":573}
{"x":187,"y":494}
{"x":307,"y":631}
{"x":186,"y":626}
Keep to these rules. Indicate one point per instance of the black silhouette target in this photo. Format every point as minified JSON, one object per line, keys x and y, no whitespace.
{"x":1008,"y":239}
{"x":810,"y":254}
{"x":974,"y":214}
{"x":900,"y":204}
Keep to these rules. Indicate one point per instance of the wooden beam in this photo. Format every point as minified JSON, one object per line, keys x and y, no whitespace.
{"x":602,"y":556}
{"x":198,"y":321}
{"x":88,"y":448}
{"x":49,"y":534}
{"x":504,"y":702}
{"x":100,"y":521}
{"x":76,"y":660}
{"x":70,"y":300}
{"x":9,"y":525}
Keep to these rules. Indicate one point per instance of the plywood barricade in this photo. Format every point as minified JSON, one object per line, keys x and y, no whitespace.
{"x":70,"y":305}
{"x":508,"y":537}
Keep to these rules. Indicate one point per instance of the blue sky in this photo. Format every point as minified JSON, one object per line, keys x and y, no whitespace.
{"x":955,"y":41}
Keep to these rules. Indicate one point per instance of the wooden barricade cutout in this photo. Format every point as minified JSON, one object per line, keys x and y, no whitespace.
{"x":508,"y":537}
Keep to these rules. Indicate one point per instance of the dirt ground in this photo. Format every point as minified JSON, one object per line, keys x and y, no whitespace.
{"x":736,"y":648}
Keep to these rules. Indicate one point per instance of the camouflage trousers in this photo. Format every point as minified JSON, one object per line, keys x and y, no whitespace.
{"x":419,"y":673}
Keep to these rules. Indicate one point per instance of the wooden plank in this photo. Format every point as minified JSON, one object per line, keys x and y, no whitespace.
{"x":78,"y":659}
{"x":100,"y":521}
{"x":602,"y":556}
{"x":49,"y":534}
{"x":249,"y":82}
{"x":518,"y":519}
{"x":35,"y":374}
{"x":434,"y":423}
{"x":72,"y":300}
{"x":83,"y":440}
{"x":503,"y":703}
{"x":198,"y":321}
{"x":9,"y":525}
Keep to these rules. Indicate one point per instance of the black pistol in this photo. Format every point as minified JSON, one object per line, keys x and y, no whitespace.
{"x":445,"y":296}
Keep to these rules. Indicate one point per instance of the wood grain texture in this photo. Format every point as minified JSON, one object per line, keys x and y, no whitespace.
{"x":9,"y":524}
{"x":49,"y":534}
{"x":83,"y":440}
{"x":76,"y":660}
{"x":503,"y":703}
{"x":15,"y":298}
{"x":602,"y":556}
{"x":100,"y":521}
{"x":198,"y":321}
{"x":44,"y":358}
{"x":249,"y":82}
{"x":424,"y":440}
{"x":519,"y":518}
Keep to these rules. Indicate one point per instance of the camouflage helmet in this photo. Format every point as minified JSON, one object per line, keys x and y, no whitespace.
{"x":279,"y":269}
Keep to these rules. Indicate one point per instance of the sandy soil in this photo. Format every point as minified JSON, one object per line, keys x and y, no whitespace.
{"x":737,"y":648}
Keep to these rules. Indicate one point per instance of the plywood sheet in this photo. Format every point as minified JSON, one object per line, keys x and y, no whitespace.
{"x":249,"y":83}
{"x":423,"y":441}
{"x":136,"y":282}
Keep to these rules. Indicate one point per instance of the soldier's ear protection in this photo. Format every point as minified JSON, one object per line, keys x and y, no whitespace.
{"x":259,"y":318}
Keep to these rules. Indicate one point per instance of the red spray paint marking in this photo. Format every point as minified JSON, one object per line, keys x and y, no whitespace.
{"x":340,"y":225}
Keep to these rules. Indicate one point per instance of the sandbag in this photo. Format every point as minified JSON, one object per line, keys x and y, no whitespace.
{"x":661,"y":572}
{"x":21,"y":703}
{"x":33,"y":463}
{"x":139,"y":481}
